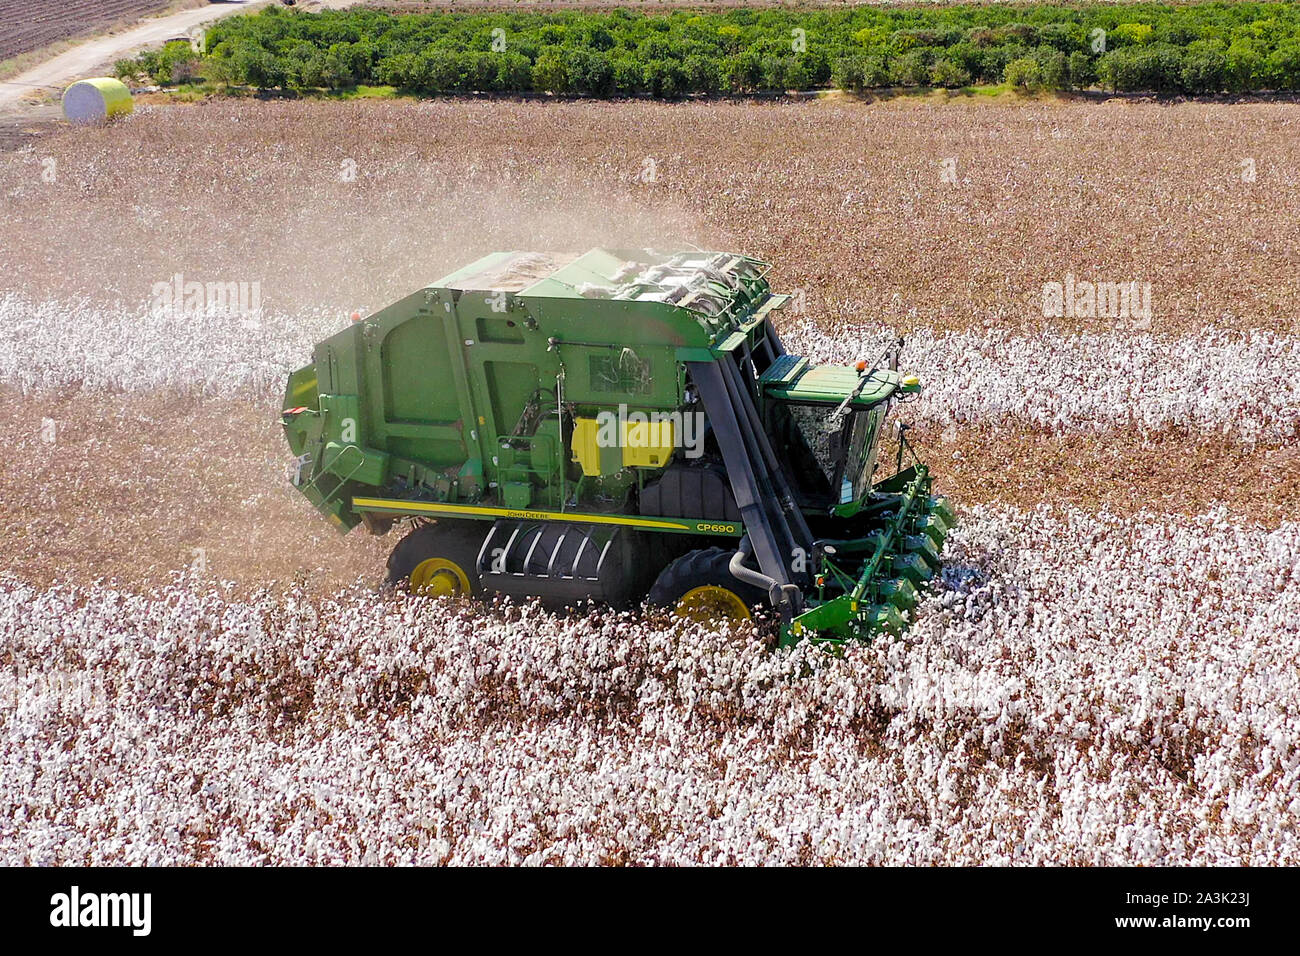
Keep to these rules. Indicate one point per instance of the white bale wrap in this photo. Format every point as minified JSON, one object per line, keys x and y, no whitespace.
{"x":96,"y":100}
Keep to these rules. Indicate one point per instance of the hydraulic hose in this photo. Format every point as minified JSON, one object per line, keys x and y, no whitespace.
{"x":748,"y":575}
{"x":787,"y":598}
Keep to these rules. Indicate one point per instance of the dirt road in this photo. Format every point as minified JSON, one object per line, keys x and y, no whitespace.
{"x":56,"y":72}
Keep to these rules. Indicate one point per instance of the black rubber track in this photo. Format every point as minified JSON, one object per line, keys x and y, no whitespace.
{"x":457,"y":541}
{"x":696,"y":568}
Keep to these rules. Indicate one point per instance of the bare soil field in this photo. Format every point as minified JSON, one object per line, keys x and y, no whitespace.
{"x":136,"y":488}
{"x":32,"y":24}
{"x":196,"y":668}
{"x":21,"y":129}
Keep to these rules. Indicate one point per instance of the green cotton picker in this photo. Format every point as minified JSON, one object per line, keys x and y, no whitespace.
{"x":618,"y":426}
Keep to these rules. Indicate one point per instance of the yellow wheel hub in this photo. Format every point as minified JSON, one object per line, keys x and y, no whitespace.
{"x":438,"y":577}
{"x":710,"y":602}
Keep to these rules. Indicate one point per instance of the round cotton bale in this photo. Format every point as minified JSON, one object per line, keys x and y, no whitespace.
{"x":96,"y":100}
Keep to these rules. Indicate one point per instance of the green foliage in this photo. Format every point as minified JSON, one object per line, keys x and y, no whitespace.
{"x":860,"y":73}
{"x":1205,"y":69}
{"x":1024,"y":74}
{"x":550,"y":74}
{"x":1244,"y":66}
{"x":126,"y":70}
{"x":588,"y":73}
{"x":1082,"y":69}
{"x":949,"y":74}
{"x":910,"y":69}
{"x":1131,"y":33}
{"x":1282,"y":68}
{"x":176,"y":62}
{"x":629,"y":77}
{"x":1130,"y":69}
{"x":1199,"y":48}
{"x":217,"y":72}
{"x":1054,"y":71}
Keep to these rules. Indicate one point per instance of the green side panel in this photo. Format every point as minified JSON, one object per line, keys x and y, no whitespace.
{"x":599,"y":267}
{"x":354,"y":463}
{"x":509,"y":385}
{"x":457,"y":279}
{"x":516,"y":494}
{"x":341,"y":415}
{"x":500,"y":328}
{"x":420,"y":404}
{"x":732,"y":342}
{"x":615,"y":353}
{"x":302,"y":389}
{"x":784,"y":371}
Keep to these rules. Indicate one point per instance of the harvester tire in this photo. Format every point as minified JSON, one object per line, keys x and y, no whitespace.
{"x":439,"y":559}
{"x":699,"y":585}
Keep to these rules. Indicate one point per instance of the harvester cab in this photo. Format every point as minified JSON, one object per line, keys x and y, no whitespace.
{"x":615,"y":426}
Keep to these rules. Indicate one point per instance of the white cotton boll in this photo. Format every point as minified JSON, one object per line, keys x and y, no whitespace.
{"x":1030,"y":715}
{"x":1242,"y":384}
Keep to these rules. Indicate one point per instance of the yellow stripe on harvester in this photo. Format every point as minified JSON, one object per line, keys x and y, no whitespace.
{"x":439,"y":508}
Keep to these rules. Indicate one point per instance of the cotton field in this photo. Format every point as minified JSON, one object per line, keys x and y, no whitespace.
{"x":1242,"y":383}
{"x":195,"y":668}
{"x":1080,"y":689}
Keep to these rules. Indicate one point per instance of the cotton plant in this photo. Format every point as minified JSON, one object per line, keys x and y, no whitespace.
{"x":1078,"y":688}
{"x":1243,"y":384}
{"x":76,"y":344}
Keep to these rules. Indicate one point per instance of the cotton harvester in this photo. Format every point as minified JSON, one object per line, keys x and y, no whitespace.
{"x":616,"y":426}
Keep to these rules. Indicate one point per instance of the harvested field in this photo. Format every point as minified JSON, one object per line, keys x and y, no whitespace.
{"x":134,"y":489}
{"x":32,"y":24}
{"x":848,"y":201}
{"x":25,"y":128}
{"x":194,"y":667}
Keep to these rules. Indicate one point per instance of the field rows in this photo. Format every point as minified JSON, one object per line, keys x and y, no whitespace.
{"x":847,"y":201}
{"x":1242,"y":384}
{"x":1078,"y":690}
{"x":32,"y":24}
{"x":1106,"y":673}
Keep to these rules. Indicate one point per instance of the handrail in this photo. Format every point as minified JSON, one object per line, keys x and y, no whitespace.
{"x":343,"y":480}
